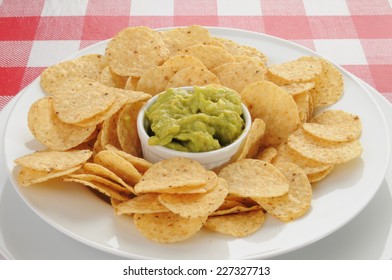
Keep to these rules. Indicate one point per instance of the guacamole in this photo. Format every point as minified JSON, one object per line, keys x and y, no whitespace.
{"x":203,"y":120}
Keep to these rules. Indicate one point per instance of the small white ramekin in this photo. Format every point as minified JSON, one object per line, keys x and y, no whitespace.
{"x":210,"y":160}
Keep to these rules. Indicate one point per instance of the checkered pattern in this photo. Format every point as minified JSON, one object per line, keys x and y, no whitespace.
{"x":356,"y":34}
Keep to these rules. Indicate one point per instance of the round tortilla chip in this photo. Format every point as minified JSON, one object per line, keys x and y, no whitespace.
{"x":54,"y":160}
{"x":322,"y":151}
{"x":27,"y":176}
{"x":146,"y":203}
{"x":155,"y":80}
{"x":332,"y":132}
{"x":286,"y":154}
{"x":127,"y":130}
{"x":335,"y":125}
{"x":48,"y":129}
{"x":99,"y":170}
{"x":123,"y":97}
{"x":196,"y":205}
{"x":275,"y":107}
{"x":89,"y":67}
{"x":179,"y":38}
{"x":335,"y":116}
{"x":135,"y":49}
{"x":167,"y":227}
{"x":192,"y":76}
{"x":241,"y":50}
{"x":211,"y":183}
{"x":210,"y":56}
{"x":80,"y":99}
{"x":254,"y":178}
{"x":172,"y":173}
{"x":238,"y":225}
{"x":295,"y":71}
{"x":237,"y":75}
{"x":121,"y":167}
{"x":329,"y":85}
{"x":296,"y":202}
{"x":140,"y":164}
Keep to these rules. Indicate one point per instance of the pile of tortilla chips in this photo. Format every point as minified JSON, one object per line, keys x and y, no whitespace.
{"x":87,"y":121}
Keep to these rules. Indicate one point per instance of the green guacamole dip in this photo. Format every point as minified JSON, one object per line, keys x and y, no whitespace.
{"x":203,"y":120}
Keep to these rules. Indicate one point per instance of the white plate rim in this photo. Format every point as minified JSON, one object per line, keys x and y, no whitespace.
{"x":213,"y":30}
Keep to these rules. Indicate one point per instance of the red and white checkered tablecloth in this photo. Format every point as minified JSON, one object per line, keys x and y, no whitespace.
{"x":356,"y":34}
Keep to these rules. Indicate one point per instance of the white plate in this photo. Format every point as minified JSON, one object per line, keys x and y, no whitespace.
{"x":353,"y":241}
{"x":76,"y":212}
